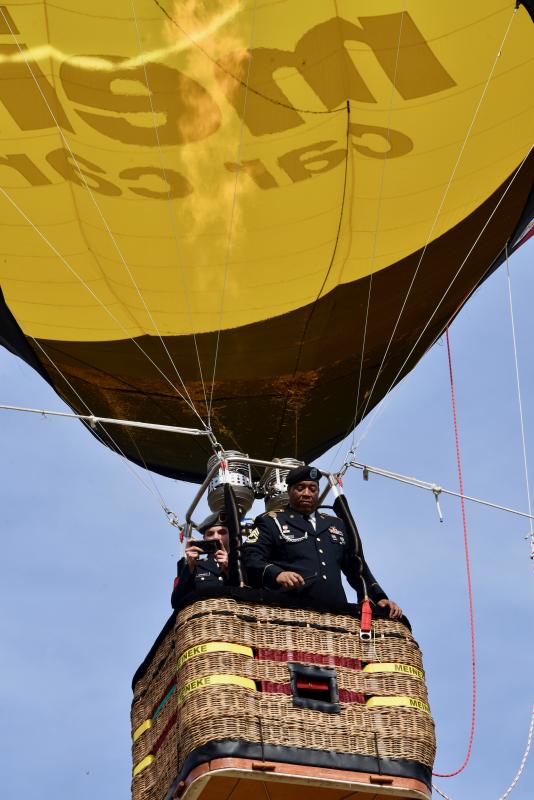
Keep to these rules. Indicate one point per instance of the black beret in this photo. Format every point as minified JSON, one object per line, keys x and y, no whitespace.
{"x":211,"y":521}
{"x":305,"y":473}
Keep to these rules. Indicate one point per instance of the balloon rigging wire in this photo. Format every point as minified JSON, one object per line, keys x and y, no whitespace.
{"x":468,"y":572}
{"x":244,"y":84}
{"x":156,"y":493}
{"x":95,"y":419}
{"x":527,"y":482}
{"x":519,"y":771}
{"x":437,"y":490}
{"x":414,"y":346}
{"x":95,"y":296}
{"x":377,"y":224}
{"x":330,"y":265}
{"x":170,"y":206}
{"x":520,"y":405}
{"x":373,"y":252}
{"x":436,"y":217}
{"x":228,"y":249}
{"x":109,"y":231}
{"x":336,"y":243}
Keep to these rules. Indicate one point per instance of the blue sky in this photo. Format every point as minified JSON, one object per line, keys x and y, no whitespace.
{"x":89,"y":558}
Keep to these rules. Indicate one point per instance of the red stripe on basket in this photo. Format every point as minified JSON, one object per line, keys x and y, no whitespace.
{"x":348,"y":696}
{"x":165,"y":732}
{"x":275,"y":688}
{"x":345,"y":695}
{"x":266,"y":654}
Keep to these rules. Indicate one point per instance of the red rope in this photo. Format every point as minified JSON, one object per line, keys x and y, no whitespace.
{"x":468,"y":570}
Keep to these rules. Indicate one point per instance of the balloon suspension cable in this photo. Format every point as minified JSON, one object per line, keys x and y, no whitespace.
{"x":428,"y":486}
{"x":180,"y":526}
{"x":93,"y":421}
{"x":373,"y":251}
{"x":520,"y":405}
{"x":467,"y":758}
{"x":109,"y":441}
{"x":430,"y":234}
{"x":519,"y":772}
{"x":173,"y":518}
{"x":186,"y":397}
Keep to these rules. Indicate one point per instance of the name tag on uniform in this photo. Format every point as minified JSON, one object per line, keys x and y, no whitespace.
{"x":290,"y":536}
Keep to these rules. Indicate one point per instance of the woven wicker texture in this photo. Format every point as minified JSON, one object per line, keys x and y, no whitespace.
{"x":352,"y":680}
{"x":160,"y":672}
{"x":295,"y":629}
{"x":149,"y":693}
{"x":192,"y":716}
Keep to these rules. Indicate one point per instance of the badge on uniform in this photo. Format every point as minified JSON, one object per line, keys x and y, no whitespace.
{"x":336,"y":535}
{"x":253,"y":536}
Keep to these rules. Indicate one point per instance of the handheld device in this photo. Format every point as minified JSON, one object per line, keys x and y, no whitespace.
{"x":208,"y":546}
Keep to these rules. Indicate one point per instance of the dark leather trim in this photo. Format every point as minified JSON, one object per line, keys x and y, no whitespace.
{"x":227,"y":748}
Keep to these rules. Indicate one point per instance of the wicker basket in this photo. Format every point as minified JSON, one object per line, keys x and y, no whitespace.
{"x":230,"y":671}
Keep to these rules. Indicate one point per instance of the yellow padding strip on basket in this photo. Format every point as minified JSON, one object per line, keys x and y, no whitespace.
{"x":211,"y":680}
{"x":214,"y":647}
{"x":146,"y":762}
{"x":144,"y":726}
{"x":407,"y":702}
{"x":403,"y":669}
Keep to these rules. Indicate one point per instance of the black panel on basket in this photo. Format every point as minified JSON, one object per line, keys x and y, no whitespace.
{"x":314,"y":687}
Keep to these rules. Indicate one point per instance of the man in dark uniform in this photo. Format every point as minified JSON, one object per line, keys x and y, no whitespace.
{"x":303,"y":551}
{"x":196,"y":570}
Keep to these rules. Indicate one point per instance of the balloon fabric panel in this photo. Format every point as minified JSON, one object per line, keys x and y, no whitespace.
{"x":245,"y":168}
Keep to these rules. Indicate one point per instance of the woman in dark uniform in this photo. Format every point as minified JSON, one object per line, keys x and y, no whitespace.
{"x":198,"y":570}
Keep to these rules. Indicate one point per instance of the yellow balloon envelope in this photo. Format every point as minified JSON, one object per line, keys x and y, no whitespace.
{"x":256,"y":215}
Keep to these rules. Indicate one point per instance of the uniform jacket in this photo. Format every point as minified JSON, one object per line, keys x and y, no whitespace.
{"x":207,"y":575}
{"x":286,"y":541}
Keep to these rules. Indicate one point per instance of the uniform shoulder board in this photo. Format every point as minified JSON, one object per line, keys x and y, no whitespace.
{"x":267,"y":514}
{"x":335,"y":520}
{"x":273,"y":514}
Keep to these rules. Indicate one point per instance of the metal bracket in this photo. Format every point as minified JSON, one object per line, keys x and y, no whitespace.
{"x":437,"y":491}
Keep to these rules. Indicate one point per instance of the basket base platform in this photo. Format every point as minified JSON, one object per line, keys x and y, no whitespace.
{"x":245,"y":779}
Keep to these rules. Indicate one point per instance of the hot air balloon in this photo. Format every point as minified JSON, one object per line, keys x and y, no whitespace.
{"x":250,"y":221}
